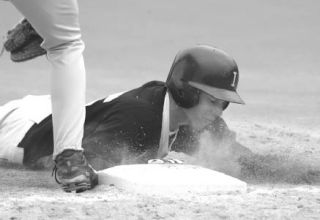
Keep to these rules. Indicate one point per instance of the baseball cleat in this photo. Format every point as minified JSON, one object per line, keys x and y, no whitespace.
{"x":73,"y":172}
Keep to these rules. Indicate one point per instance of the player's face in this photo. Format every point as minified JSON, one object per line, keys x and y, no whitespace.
{"x":205,"y":112}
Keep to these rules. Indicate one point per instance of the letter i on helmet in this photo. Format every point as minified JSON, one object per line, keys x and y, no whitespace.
{"x":203,"y":69}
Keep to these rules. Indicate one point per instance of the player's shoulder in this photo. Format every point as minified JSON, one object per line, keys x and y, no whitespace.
{"x":150,"y":89}
{"x":151,"y":92}
{"x":153,"y":84}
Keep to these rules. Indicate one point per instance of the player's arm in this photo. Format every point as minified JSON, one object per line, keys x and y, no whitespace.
{"x":227,"y":138}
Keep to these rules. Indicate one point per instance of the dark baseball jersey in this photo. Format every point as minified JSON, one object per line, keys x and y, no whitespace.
{"x":124,"y":130}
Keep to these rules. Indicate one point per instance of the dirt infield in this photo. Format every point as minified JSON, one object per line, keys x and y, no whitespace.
{"x":43,"y":200}
{"x":284,"y":189}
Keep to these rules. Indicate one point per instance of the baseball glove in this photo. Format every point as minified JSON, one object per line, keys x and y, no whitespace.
{"x":23,"y":42}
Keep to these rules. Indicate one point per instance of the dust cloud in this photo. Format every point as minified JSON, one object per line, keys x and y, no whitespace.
{"x":238,"y":161}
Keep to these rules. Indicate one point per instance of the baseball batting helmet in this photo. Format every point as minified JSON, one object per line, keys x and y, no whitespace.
{"x":203,"y":69}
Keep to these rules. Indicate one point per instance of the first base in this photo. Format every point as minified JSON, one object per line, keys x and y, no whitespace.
{"x":165,"y":179}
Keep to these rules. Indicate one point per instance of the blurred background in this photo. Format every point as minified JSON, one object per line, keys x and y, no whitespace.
{"x":129,"y":42}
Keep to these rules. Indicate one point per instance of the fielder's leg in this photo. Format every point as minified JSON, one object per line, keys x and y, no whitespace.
{"x":57,"y":22}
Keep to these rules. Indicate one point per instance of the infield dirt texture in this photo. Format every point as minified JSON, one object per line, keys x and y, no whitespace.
{"x":276,"y":45}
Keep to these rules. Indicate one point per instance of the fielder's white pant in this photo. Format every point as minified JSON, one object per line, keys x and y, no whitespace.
{"x":57,"y":22}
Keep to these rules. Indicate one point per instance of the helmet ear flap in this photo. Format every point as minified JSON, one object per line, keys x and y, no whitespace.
{"x":186,"y":96}
{"x":180,"y":93}
{"x":181,"y":71}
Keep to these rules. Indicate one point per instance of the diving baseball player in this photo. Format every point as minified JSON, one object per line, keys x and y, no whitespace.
{"x":143,"y":123}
